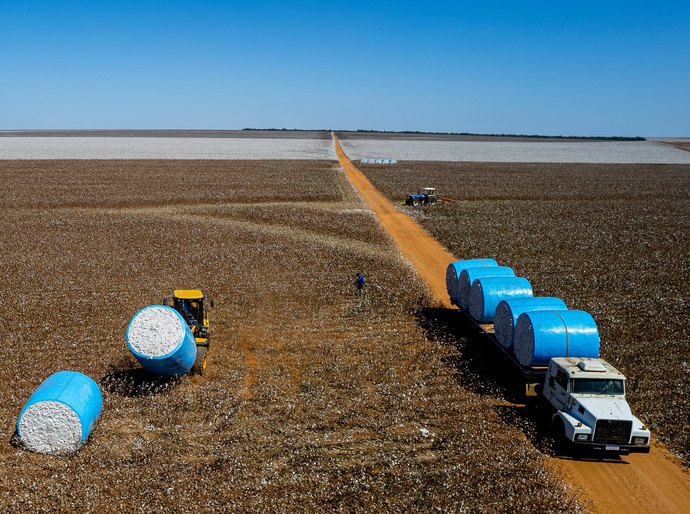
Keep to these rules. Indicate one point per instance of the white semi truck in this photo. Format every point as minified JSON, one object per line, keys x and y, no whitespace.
{"x":589,"y":408}
{"x":586,"y":397}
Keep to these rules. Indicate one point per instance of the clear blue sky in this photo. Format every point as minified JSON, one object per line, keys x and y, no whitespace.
{"x":552,"y":67}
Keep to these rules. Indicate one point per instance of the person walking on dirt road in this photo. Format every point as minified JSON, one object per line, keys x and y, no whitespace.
{"x":360,"y":282}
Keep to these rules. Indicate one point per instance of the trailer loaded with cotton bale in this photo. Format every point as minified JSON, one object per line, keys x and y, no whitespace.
{"x":172,"y":339}
{"x":554,"y":353}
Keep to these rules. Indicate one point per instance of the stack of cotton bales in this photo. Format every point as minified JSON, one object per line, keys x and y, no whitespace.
{"x":371,"y":160}
{"x":456,"y":268}
{"x":535,"y":328}
{"x":508,"y":312}
{"x":60,"y":414}
{"x":161,"y":341}
{"x":469,"y":275}
{"x":488,"y":292}
{"x":542,"y":335}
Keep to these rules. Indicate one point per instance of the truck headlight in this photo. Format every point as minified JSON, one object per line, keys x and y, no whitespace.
{"x":639,"y":440}
{"x":582,"y":437}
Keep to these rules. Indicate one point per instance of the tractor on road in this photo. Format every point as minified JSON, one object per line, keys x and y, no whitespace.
{"x":427,"y":196}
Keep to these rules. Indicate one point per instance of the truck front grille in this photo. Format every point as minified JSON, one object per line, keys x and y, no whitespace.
{"x":612,"y":431}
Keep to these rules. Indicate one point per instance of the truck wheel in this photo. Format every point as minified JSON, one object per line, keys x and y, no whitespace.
{"x":199,"y":366}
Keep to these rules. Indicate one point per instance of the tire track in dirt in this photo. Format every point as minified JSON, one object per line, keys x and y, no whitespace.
{"x":654,"y":482}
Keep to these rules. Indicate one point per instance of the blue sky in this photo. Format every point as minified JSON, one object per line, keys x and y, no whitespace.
{"x":580,"y":68}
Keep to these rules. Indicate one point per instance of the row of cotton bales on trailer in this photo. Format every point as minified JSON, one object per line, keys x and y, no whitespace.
{"x":371,"y":160}
{"x":535,"y":329}
{"x":61,"y":413}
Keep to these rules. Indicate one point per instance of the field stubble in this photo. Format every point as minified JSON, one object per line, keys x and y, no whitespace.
{"x":316,"y":398}
{"x":613,"y":240}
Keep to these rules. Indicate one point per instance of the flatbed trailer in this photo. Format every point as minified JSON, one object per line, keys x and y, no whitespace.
{"x":531,"y":377}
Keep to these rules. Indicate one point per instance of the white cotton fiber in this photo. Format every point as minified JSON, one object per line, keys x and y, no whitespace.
{"x":155,"y":331}
{"x":50,"y":427}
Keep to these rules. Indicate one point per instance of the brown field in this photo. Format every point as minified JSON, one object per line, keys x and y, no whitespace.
{"x":610,"y":239}
{"x":315,"y":398}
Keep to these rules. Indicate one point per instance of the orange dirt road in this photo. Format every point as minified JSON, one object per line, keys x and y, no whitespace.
{"x":429,"y":258}
{"x":655,"y":482}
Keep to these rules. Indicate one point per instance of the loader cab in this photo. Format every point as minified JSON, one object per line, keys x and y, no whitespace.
{"x":190,"y":304}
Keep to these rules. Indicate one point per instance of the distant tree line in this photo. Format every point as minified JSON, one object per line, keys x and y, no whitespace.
{"x":421,"y":132}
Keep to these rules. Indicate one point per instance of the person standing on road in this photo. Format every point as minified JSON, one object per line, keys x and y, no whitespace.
{"x":360,"y":282}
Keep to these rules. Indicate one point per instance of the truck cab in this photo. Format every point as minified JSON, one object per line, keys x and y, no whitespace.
{"x":589,"y":407}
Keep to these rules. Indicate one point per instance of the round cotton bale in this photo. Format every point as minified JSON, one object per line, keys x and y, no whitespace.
{"x":508,"y":312}
{"x":453,"y":274}
{"x":393,"y":161}
{"x":469,"y":275}
{"x":59,"y":416}
{"x":488,"y":292}
{"x":542,"y":335}
{"x":161,"y":341}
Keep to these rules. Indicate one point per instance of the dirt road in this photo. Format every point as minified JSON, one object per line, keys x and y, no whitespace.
{"x":636,"y":483}
{"x":426,"y":254}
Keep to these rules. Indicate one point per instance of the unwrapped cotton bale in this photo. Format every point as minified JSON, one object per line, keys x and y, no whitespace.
{"x":488,"y":292}
{"x":469,"y":275}
{"x":161,"y":341}
{"x":542,"y":335}
{"x":508,"y":312}
{"x":59,"y":416}
{"x":454,"y":270}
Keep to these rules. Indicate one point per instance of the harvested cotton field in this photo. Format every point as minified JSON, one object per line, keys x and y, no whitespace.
{"x":97,"y":147}
{"x":516,"y":151}
{"x":609,"y":239}
{"x":316,"y":398}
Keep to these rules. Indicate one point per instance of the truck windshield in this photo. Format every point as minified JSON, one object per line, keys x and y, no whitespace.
{"x":598,"y":386}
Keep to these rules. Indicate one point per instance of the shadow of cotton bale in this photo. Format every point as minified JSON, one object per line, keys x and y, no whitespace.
{"x":137,"y":382}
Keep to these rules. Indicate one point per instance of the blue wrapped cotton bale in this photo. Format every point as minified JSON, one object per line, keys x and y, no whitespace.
{"x":469,"y":275}
{"x":453,"y":274}
{"x":161,"y":341}
{"x":508,"y":312}
{"x":542,"y":335}
{"x":488,"y":292}
{"x":59,"y":416}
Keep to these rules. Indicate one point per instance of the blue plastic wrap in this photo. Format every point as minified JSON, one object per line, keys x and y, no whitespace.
{"x":453,"y":274}
{"x":542,"y":335}
{"x":469,"y":275}
{"x":78,"y":393}
{"x":508,"y":311}
{"x":176,"y":362}
{"x":488,"y":292}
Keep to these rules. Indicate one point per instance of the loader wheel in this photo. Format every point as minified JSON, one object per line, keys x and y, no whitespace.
{"x":199,"y":366}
